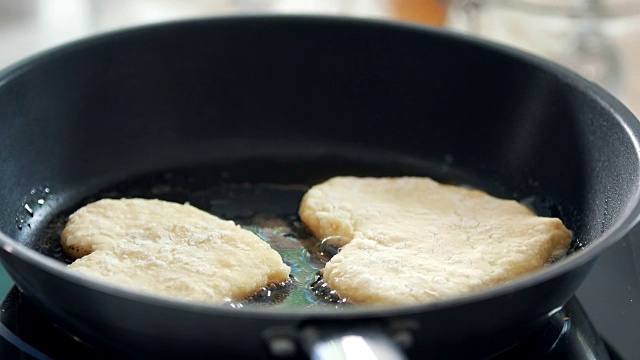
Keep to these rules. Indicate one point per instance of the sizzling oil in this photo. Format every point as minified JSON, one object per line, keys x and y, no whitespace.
{"x":268,"y":210}
{"x":302,"y":252}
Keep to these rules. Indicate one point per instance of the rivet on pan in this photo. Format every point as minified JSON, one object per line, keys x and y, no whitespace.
{"x":282,"y":347}
{"x":554,"y":311}
{"x":404,"y":338}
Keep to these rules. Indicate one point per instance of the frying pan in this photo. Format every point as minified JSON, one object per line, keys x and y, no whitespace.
{"x":292,"y":101}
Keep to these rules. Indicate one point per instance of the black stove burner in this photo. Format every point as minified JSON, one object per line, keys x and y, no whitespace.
{"x":27,"y":333}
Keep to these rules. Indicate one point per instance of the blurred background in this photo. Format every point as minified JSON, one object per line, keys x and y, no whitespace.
{"x":600,"y":39}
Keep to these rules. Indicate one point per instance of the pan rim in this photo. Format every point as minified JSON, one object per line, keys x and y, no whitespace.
{"x":630,"y":215}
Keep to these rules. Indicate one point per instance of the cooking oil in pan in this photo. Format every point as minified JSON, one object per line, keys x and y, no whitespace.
{"x":268,"y":210}
{"x":303,"y":253}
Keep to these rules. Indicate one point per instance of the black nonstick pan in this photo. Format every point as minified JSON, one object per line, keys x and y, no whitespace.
{"x":240,"y":115}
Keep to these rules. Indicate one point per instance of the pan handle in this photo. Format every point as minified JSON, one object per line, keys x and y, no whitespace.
{"x":361,"y":345}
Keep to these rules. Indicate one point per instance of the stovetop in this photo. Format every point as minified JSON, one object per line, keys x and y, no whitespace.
{"x":602,"y":322}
